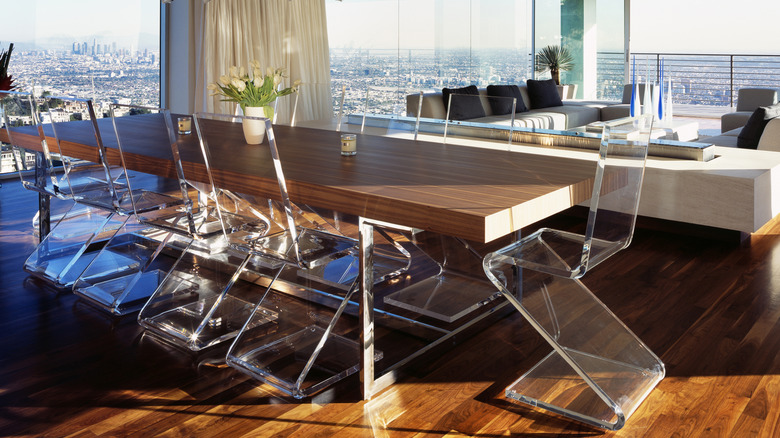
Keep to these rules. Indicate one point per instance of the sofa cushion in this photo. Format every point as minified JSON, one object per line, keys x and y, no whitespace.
{"x":543,"y":94}
{"x":541,"y":119}
{"x":576,"y":115}
{"x":504,"y":106}
{"x":751,"y":132}
{"x":463,"y":105}
{"x":770,"y":138}
{"x":616,"y":111}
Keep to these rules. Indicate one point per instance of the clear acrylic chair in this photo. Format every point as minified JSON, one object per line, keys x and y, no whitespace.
{"x":297,"y":336}
{"x":134,"y":261}
{"x":103,"y":202}
{"x":598,"y":371}
{"x":58,"y":258}
{"x":196,"y":306}
{"x":36,"y":170}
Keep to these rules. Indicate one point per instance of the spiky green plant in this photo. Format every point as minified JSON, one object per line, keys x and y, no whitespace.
{"x":6,"y":81}
{"x":555,"y":59}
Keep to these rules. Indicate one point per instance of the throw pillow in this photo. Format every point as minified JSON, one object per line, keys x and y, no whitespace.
{"x":543,"y":94}
{"x":504,"y":106}
{"x":751,"y":133}
{"x":463,"y":105}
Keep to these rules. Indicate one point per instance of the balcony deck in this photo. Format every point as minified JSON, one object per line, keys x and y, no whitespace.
{"x":708,"y":307}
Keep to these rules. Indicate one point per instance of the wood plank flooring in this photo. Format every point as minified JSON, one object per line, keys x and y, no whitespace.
{"x":709,"y":308}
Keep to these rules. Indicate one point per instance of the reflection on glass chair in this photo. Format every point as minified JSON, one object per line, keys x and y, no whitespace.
{"x":102,"y":188}
{"x":299,"y":277}
{"x":133,"y":262}
{"x":197,"y":305}
{"x":598,"y":371}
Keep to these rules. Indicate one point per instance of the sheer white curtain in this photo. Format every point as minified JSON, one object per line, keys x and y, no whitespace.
{"x":291,"y":34}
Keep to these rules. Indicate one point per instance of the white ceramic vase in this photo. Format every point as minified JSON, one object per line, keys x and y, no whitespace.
{"x":254,"y":130}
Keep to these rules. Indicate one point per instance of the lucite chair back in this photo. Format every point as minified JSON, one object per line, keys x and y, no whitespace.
{"x":614,"y":203}
{"x":290,"y":239}
{"x":36,"y":170}
{"x":598,"y":371}
{"x":151,"y":130}
{"x":96,"y":182}
{"x":612,"y":209}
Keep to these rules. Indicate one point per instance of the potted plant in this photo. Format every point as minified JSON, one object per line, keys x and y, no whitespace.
{"x":6,"y":81}
{"x":555,"y":59}
{"x":254,"y":93}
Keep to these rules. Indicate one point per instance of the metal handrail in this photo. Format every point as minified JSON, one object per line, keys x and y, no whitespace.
{"x":711,"y":79}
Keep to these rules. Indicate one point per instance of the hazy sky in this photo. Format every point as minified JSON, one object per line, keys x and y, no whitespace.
{"x":39,"y":20}
{"x":681,"y":26}
{"x":705,"y":26}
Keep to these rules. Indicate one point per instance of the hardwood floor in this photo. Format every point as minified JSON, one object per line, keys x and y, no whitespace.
{"x":709,"y":308}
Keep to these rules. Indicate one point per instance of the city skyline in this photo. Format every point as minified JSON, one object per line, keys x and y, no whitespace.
{"x":55,"y":24}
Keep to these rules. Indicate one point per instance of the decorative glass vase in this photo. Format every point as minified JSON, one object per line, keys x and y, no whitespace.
{"x":254,"y":130}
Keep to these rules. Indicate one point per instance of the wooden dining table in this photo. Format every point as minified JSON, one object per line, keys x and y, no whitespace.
{"x":468,"y":192}
{"x":472,"y":193}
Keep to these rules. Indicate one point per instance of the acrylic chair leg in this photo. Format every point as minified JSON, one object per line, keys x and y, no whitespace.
{"x":320,"y":345}
{"x":598,"y":371}
{"x":366,"y":280}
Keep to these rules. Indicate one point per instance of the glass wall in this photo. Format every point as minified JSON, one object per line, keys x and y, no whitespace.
{"x":109,"y":51}
{"x":390,"y":48}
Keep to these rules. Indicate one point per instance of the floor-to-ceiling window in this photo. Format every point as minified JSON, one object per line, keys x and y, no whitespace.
{"x":105,"y":50}
{"x":593,"y":32}
{"x":390,"y":48}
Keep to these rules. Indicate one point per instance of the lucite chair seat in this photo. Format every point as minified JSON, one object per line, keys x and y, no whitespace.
{"x":202,"y":220}
{"x":315,"y":248}
{"x":73,"y":243}
{"x":597,"y":371}
{"x":557,"y":252}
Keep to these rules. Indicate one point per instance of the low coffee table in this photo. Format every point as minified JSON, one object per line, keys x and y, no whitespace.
{"x":679,"y":130}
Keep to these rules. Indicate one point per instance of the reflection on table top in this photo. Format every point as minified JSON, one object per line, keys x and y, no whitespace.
{"x":473,"y":193}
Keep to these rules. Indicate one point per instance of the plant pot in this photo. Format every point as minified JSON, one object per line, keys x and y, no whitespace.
{"x":254,"y":130}
{"x":567,"y":91}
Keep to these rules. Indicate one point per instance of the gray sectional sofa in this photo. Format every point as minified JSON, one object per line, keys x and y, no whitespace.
{"x":572,"y":113}
{"x":769,"y":140}
{"x":748,"y":100}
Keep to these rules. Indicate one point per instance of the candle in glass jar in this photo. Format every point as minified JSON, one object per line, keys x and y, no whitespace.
{"x":348,"y":144}
{"x":185,"y":125}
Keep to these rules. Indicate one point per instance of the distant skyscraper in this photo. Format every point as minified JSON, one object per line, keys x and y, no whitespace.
{"x":75,"y":47}
{"x":113,"y":47}
{"x":83,"y":48}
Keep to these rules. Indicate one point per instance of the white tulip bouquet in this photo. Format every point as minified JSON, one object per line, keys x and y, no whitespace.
{"x":257,"y":90}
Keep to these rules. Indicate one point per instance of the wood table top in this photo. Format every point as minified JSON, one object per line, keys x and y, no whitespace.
{"x":473,"y":193}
